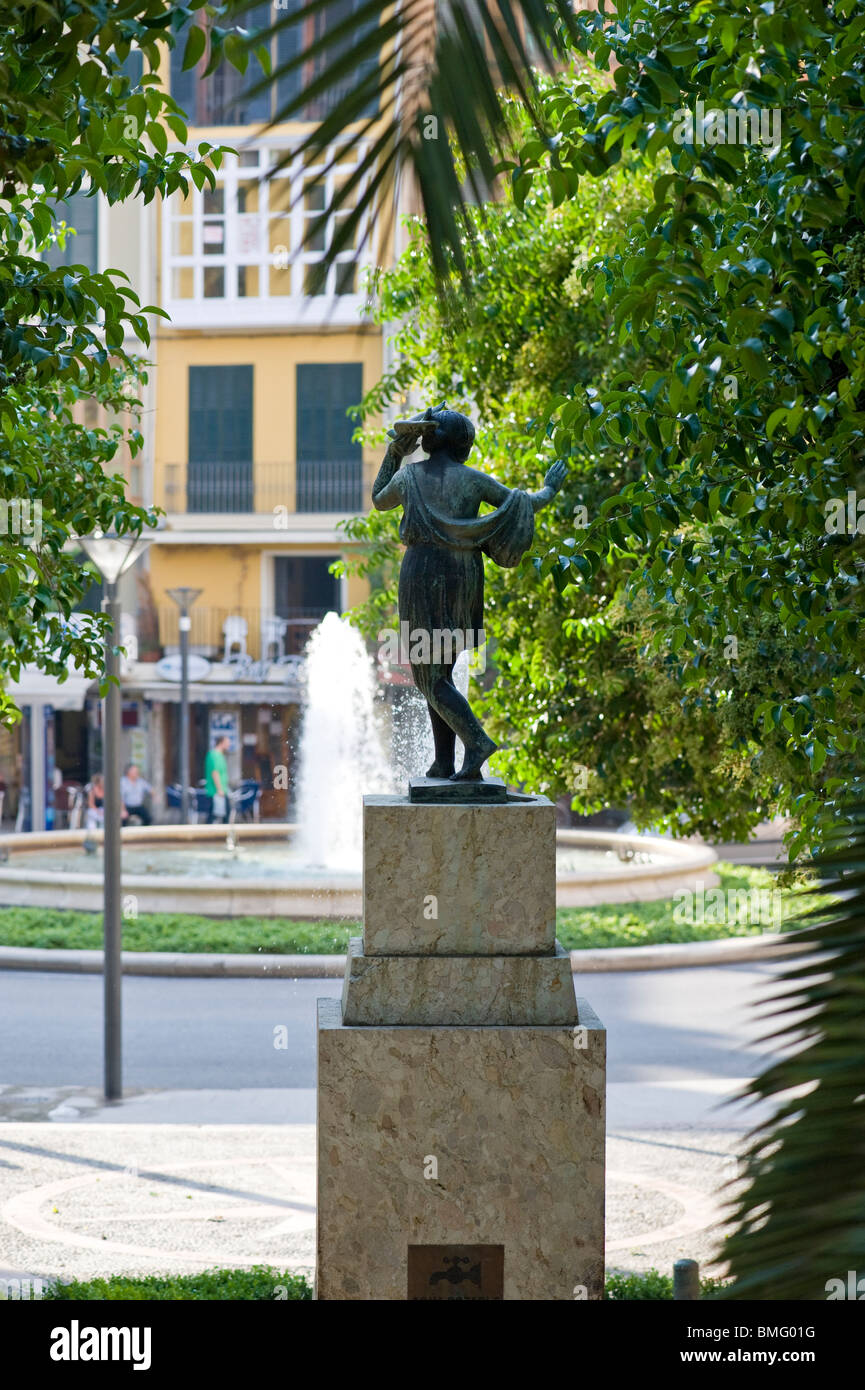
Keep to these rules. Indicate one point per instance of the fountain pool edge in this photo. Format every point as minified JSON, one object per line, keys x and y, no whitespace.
{"x":680,"y":866}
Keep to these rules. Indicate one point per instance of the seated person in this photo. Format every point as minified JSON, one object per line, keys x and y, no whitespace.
{"x":94,"y":817}
{"x":133,"y":793}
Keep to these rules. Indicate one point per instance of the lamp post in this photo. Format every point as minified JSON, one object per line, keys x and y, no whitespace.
{"x":112,"y":555}
{"x":184,"y":598}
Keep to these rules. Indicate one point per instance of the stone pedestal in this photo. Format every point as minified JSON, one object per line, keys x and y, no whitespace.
{"x":458,"y":880}
{"x":461,"y":1082}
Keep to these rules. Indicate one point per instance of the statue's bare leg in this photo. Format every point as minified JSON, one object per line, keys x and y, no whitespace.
{"x":455,"y":711}
{"x":444,"y":739}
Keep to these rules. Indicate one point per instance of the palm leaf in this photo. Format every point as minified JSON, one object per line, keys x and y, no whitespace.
{"x":411,"y":61}
{"x":800,"y":1222}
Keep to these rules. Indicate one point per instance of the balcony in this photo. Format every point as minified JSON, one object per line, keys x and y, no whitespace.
{"x":246,"y":641}
{"x":334,"y":486}
{"x":239,"y":637}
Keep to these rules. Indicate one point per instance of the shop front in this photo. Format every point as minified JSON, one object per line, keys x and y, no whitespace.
{"x":261,"y":720}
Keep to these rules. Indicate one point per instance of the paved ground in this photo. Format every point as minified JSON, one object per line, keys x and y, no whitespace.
{"x":199,"y":1166}
{"x":766,"y":848}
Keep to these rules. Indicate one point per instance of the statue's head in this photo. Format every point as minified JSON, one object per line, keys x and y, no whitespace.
{"x":454,"y":433}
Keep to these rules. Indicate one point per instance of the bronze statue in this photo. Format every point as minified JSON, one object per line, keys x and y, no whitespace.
{"x":441,"y":579}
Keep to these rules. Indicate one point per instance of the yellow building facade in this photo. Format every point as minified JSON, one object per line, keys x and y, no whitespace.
{"x":251,"y":456}
{"x":253,"y":461}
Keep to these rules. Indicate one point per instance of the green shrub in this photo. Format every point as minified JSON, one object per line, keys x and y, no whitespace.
{"x":623,"y":1287}
{"x":263,"y":1283}
{"x":259,"y":1283}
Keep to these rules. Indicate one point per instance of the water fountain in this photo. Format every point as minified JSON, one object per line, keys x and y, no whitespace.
{"x":352,"y":742}
{"x":341,"y":748}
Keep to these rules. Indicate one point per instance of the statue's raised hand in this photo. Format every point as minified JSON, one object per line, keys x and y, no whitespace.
{"x":555,"y":476}
{"x":402,"y":445}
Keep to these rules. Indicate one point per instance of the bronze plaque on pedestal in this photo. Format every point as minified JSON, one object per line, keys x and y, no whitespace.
{"x":456,"y":1272}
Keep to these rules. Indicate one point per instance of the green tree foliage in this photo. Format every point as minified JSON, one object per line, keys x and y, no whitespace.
{"x":582,"y":699}
{"x":406,"y":75}
{"x":62,"y":469}
{"x":745,"y":274}
{"x":719,"y":566}
{"x":72,"y":120}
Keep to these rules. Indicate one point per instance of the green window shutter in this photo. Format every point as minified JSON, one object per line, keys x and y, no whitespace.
{"x":289,"y":42}
{"x":133,"y":67}
{"x":336,"y":13}
{"x":329,"y":463}
{"x":220,"y":471}
{"x":325,"y":392}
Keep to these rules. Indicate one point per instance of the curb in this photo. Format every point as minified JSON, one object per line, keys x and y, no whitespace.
{"x":678,"y":955}
{"x":675,"y":956}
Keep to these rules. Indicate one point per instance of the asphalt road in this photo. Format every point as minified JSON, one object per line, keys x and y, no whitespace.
{"x":663,"y":1026}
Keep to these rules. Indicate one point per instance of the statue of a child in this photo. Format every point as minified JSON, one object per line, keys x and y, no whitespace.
{"x":441,"y":580}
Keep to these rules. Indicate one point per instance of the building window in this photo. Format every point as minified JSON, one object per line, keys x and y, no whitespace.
{"x":303,"y":591}
{"x":314,"y":29}
{"x":219,"y":473}
{"x":329,"y":462}
{"x":80,"y":211}
{"x":241,"y":242}
{"x":222,"y":98}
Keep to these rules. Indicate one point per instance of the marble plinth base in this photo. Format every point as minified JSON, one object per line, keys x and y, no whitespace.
{"x":458,"y":989}
{"x":459,"y":880}
{"x":486,"y":1138}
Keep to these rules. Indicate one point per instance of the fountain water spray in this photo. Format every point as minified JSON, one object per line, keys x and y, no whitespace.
{"x":413,"y":747}
{"x":341,"y":747}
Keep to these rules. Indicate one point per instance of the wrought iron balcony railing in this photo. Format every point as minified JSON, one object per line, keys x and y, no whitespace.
{"x":244,"y":487}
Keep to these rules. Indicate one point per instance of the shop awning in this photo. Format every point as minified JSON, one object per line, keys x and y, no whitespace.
{"x":216,"y":692}
{"x":38,"y":688}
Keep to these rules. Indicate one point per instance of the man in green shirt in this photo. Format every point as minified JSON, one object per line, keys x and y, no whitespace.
{"x":216,"y":780}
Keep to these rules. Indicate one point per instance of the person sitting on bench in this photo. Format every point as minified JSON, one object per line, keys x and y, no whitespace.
{"x":133,"y":791}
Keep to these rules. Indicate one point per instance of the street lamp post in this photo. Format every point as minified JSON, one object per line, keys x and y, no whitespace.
{"x":184,"y":598}
{"x":112,"y":555}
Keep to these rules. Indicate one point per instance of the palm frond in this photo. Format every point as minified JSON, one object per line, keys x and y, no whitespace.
{"x":425,"y":80}
{"x":800,"y":1221}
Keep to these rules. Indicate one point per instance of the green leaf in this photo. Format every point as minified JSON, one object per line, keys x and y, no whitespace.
{"x":195,"y":46}
{"x":775,"y":420}
{"x":158,"y":136}
{"x":236,"y":52}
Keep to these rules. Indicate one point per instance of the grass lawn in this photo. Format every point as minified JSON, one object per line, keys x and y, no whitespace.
{"x":578,"y":928}
{"x":262,"y":1283}
{"x":167,"y":931}
{"x":749,"y":907}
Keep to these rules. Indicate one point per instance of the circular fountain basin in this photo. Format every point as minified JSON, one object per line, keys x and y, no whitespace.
{"x":173,"y":868}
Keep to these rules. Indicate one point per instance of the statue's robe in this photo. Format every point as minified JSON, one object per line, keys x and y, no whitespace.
{"x":441,"y":580}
